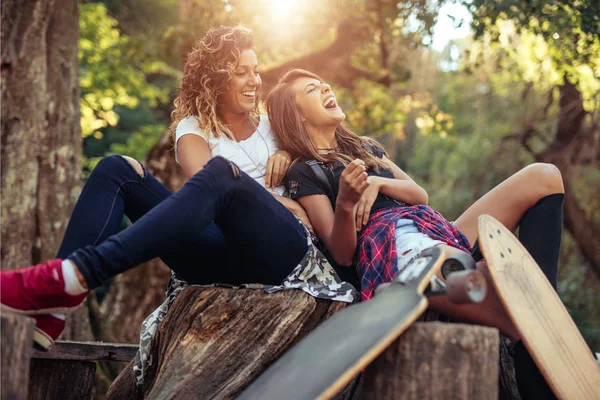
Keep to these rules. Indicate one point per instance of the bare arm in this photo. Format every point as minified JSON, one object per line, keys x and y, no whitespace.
{"x":337,"y":229}
{"x":296,"y":208}
{"x":193,"y":153}
{"x":402,"y":188}
{"x":329,"y":225}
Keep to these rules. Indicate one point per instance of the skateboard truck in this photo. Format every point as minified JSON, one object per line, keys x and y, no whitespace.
{"x":463,"y":283}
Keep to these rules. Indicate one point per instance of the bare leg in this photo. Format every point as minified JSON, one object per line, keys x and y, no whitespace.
{"x":508,"y":201}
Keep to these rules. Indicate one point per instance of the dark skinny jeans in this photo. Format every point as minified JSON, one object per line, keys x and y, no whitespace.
{"x":253,"y":237}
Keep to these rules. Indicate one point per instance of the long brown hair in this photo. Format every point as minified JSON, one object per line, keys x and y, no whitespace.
{"x":207,"y":70}
{"x":292,"y":136}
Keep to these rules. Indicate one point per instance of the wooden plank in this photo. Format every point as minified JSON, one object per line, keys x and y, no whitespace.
{"x":16,"y":342}
{"x":88,"y":351}
{"x":61,"y":379}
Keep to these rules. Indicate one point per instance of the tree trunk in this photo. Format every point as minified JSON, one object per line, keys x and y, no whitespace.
{"x":41,"y":136}
{"x":565,"y":152}
{"x":16,"y":341}
{"x":436,"y":361}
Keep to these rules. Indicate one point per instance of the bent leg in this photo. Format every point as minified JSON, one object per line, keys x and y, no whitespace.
{"x":117,"y":186}
{"x":264,"y":235}
{"x":509,"y":201}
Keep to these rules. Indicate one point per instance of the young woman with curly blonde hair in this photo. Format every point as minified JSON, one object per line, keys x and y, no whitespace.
{"x":222,"y":226}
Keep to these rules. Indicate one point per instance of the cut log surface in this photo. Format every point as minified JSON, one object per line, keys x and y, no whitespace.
{"x":16,"y":342}
{"x":437,"y":361}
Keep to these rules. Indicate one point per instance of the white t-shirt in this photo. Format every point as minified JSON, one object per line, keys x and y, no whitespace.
{"x":250,"y":155}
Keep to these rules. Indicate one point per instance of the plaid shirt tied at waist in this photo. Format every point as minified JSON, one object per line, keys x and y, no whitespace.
{"x":377,"y":258}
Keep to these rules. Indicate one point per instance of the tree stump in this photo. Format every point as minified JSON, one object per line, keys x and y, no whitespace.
{"x":215,"y":341}
{"x":436,"y":361}
{"x":16,"y":342}
{"x":61,"y":379}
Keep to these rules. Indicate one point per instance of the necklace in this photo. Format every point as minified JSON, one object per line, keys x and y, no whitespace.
{"x":259,"y":166}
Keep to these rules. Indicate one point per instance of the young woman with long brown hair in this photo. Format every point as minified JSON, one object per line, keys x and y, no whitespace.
{"x":222,"y":226}
{"x":367,"y":193}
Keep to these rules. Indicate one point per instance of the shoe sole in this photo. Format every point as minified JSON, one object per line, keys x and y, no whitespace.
{"x":57,"y":310}
{"x":42,"y":339}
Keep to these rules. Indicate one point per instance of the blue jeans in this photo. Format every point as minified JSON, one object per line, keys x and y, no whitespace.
{"x":253,"y":238}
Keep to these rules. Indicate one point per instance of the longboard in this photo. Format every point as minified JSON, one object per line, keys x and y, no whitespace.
{"x":327,"y":359}
{"x":546,"y":328}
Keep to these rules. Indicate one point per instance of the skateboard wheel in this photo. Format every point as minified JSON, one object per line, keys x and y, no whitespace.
{"x":465,"y":287}
{"x":457,"y":262}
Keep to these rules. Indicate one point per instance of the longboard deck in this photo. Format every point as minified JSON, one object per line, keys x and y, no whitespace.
{"x":546,"y":328}
{"x":327,"y":359}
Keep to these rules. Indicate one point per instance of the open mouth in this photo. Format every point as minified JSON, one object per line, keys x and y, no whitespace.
{"x":330,"y":103}
{"x":249,"y":94}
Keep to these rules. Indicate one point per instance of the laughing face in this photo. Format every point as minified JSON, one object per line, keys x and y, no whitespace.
{"x":317,"y":103}
{"x":243,"y":87}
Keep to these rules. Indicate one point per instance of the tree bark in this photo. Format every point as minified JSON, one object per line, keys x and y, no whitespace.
{"x":16,"y":341}
{"x":41,"y":136}
{"x":214,"y":342}
{"x":61,"y":379}
{"x":436,"y":361}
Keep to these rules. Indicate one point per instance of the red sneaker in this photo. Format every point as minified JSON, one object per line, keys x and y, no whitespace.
{"x":37,"y":290}
{"x":47,"y":329}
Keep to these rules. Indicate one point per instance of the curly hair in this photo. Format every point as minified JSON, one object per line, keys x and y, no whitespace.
{"x":208,"y":68}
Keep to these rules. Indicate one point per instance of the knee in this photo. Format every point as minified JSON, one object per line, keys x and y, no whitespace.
{"x":222,"y":167}
{"x":114,"y":165}
{"x":135,"y":164}
{"x":547,"y":177}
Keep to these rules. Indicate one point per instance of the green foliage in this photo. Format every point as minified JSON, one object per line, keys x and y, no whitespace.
{"x":140,"y":142}
{"x":569,"y":29}
{"x":113,"y":72}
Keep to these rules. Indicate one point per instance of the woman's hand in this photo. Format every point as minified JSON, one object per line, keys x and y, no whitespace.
{"x":366,"y":202}
{"x":296,"y":209}
{"x":277,"y":166}
{"x":301,"y":213}
{"x":353,"y":184}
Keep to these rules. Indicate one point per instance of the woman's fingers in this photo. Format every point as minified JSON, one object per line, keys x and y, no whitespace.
{"x":359,"y":214}
{"x":365,"y":215}
{"x":279,"y":171}
{"x":269,"y":174}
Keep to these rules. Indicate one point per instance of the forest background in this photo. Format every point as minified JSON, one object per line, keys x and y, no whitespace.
{"x":522,"y":87}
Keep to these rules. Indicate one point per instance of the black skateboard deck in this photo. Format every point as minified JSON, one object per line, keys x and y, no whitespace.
{"x":331,"y":355}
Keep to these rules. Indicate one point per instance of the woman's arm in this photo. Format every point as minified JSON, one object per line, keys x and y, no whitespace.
{"x":193,"y":153}
{"x":329,"y":225}
{"x":337,"y":229}
{"x":296,"y":208}
{"x":402,"y":188}
{"x":406,"y":191}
